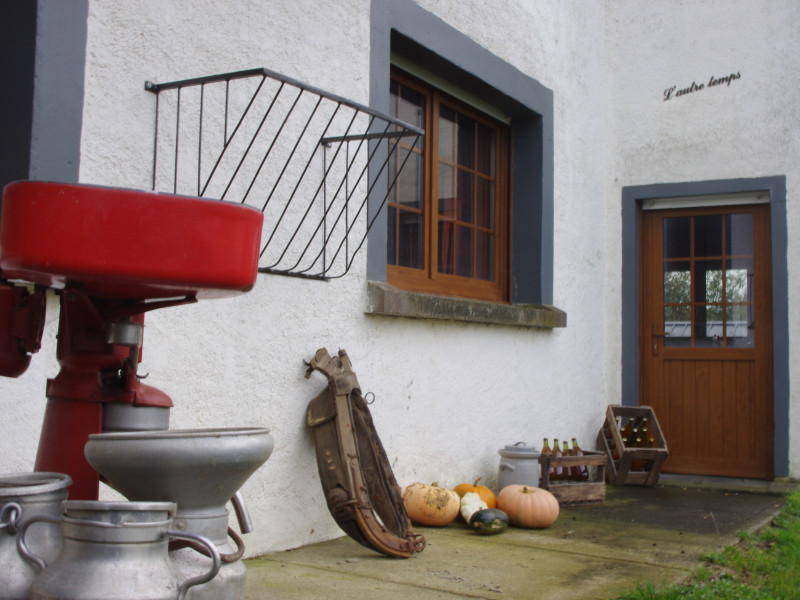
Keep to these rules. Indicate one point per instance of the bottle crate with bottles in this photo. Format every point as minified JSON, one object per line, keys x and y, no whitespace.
{"x":634,"y":446}
{"x":574,"y":476}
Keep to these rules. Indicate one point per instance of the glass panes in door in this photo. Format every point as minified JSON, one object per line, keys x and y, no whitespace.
{"x":708,"y":281}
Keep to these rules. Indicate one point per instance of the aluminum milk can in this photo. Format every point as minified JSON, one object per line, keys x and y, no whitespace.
{"x":114,"y":550}
{"x":519,"y":464}
{"x":24,"y":496}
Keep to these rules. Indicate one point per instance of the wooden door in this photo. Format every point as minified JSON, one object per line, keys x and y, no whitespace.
{"x":706,"y":337}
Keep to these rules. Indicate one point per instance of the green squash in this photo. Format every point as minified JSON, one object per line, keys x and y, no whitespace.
{"x":489,"y":521}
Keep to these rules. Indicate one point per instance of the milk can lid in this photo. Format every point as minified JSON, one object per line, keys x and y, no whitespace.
{"x":19,"y":485}
{"x":519,"y":450}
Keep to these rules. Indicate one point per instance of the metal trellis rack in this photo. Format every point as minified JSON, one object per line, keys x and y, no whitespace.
{"x":309,"y":160}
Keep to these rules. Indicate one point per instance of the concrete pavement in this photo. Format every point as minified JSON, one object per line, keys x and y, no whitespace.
{"x":637,"y":535}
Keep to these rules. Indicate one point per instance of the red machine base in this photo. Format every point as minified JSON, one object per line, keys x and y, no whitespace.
{"x":65,"y":431}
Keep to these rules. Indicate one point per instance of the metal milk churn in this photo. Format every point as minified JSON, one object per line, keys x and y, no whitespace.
{"x":24,"y":496}
{"x":114,"y":550}
{"x":519,"y":464}
{"x":200,"y":470}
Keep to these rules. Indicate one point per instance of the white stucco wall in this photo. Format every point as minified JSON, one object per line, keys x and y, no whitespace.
{"x":449,"y":395}
{"x":746,"y":129}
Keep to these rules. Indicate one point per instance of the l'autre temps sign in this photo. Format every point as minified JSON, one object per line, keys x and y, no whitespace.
{"x":674,"y":92}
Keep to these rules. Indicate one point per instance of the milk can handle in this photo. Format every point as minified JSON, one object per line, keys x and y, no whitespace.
{"x":212,"y":552}
{"x":507,"y":466}
{"x":14,"y":513}
{"x":22,"y":547}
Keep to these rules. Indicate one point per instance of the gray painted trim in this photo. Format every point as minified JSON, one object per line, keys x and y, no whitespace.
{"x":416,"y":33}
{"x":61,"y":33}
{"x":632,"y":197}
{"x":18,"y":49}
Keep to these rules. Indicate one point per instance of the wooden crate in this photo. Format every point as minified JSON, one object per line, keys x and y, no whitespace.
{"x":576,"y":493}
{"x":631,"y":465}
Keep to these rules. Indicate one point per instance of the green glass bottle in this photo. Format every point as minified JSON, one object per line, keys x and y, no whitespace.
{"x":583,"y":470}
{"x":569,"y":472}
{"x":558,"y":471}
{"x":547,"y":450}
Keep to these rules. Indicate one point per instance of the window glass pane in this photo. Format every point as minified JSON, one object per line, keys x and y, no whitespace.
{"x":447,"y":191}
{"x":463,"y":251}
{"x":485,"y":150}
{"x":677,"y":282}
{"x":446,"y":254}
{"x":714,"y":316}
{"x":405,"y":229}
{"x":456,"y":137}
{"x":738,"y":276}
{"x":448,"y":134}
{"x":708,"y":235}
{"x":391,"y":236}
{"x":676,"y":237}
{"x":708,"y":281}
{"x":394,"y":93}
{"x":677,"y":304}
{"x":740,"y":328}
{"x":407,"y":104}
{"x":408,"y":187}
{"x":484,"y":255}
{"x":464,"y":193}
{"x":677,"y":319}
{"x":410,"y":251}
{"x":740,"y":234}
{"x":707,"y":326}
{"x":704,"y":330}
{"x":678,"y":326}
{"x":466,"y":141}
{"x":484,"y":203}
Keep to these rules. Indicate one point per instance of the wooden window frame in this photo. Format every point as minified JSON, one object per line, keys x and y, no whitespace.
{"x":428,"y":279}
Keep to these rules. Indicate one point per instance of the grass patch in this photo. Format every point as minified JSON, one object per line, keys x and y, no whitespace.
{"x":762,"y":567}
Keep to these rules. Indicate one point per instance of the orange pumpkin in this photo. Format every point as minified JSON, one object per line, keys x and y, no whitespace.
{"x":528,"y":506}
{"x":431,"y":504}
{"x":484,"y":492}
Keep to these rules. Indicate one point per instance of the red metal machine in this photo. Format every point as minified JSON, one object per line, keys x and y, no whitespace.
{"x":112,"y":255}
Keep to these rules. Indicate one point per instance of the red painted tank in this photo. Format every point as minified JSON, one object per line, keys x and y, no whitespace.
{"x":131,"y":244}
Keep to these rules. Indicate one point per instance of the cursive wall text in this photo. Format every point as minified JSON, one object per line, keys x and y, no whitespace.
{"x":675,"y":92}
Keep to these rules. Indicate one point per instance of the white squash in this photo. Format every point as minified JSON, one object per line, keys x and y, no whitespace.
{"x":471,"y":503}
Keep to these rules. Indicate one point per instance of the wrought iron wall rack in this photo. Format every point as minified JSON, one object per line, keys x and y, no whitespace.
{"x":319,"y":166}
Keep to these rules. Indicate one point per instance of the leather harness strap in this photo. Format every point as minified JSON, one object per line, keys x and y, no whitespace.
{"x":360,"y":489}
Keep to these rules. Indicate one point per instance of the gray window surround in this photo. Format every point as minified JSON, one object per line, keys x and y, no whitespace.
{"x":18,"y":46}
{"x":403,"y":27}
{"x":632,"y":199}
{"x":46,"y":40}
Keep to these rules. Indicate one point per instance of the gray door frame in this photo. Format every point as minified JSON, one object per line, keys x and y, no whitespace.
{"x":633,"y":198}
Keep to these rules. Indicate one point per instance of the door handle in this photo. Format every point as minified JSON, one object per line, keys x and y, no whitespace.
{"x":656,"y":335}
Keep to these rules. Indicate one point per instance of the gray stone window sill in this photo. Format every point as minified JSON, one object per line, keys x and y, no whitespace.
{"x":387,"y":300}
